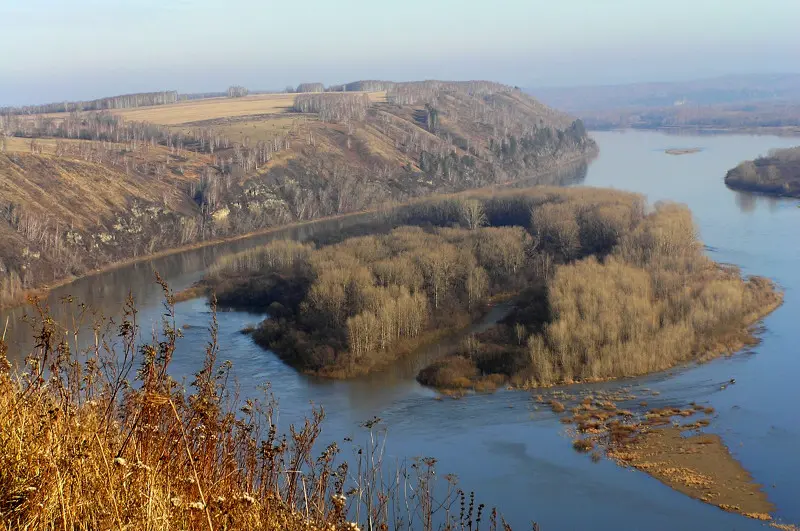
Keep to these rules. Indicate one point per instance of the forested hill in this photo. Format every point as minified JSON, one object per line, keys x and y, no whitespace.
{"x":776,"y":174}
{"x":85,"y":188}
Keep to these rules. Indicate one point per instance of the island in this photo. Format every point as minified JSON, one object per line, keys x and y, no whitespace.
{"x":776,"y":174}
{"x":683,"y":151}
{"x":602,"y":287}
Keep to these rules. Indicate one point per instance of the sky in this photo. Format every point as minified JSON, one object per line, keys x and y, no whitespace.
{"x":55,"y":50}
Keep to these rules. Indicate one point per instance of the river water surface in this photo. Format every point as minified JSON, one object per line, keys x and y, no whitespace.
{"x":501,"y":446}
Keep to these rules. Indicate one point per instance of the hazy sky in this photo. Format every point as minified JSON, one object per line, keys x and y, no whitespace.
{"x":54,"y":50}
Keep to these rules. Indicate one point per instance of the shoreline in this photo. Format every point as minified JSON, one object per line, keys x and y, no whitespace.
{"x":736,"y":186}
{"x":42,"y":291}
{"x":699,"y":130}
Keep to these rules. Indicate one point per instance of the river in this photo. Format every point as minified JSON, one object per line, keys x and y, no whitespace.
{"x":501,"y":446}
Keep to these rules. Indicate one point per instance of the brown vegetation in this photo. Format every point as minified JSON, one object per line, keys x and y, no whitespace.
{"x":112,"y":185}
{"x":367,"y":298}
{"x":776,"y":174}
{"x":349,"y":307}
{"x":106,"y":439}
{"x":653,"y":301}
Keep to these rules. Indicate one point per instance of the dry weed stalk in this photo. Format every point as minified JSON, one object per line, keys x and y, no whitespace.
{"x":86,"y":442}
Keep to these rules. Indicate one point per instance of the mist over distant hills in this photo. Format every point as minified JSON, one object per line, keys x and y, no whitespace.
{"x":731,"y":89}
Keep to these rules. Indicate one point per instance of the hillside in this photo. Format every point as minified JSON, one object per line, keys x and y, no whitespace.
{"x":742,"y":102}
{"x":82,"y":189}
{"x":776,"y":174}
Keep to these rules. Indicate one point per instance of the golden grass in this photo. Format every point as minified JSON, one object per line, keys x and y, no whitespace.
{"x":48,"y":145}
{"x":86,"y":449}
{"x":256,"y":130}
{"x":213,"y":108}
{"x":79,"y":192}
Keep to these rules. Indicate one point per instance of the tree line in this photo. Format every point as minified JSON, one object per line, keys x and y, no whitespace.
{"x":237,"y":91}
{"x":333,"y":107}
{"x":124,"y":101}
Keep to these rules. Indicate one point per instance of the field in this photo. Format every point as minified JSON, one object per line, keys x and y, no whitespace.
{"x":215,"y":108}
{"x":47,"y":145}
{"x":254,"y":129}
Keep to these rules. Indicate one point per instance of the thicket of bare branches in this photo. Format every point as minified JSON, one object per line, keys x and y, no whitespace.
{"x":353,"y":305}
{"x":333,"y":107}
{"x":310,"y":87}
{"x":636,"y":295}
{"x":237,"y":91}
{"x":657,"y":301}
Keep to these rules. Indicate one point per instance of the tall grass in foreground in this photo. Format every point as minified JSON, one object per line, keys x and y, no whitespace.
{"x":103,"y":438}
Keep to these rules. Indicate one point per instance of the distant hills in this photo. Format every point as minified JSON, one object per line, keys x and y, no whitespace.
{"x":733,"y":102}
{"x":712,"y":91}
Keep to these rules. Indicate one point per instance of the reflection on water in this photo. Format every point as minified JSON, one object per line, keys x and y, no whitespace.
{"x":105,"y":293}
{"x":500,"y":445}
{"x":572,"y":174}
{"x":748,"y":202}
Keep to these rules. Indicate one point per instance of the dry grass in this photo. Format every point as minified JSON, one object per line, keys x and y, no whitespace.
{"x":583,"y":445}
{"x":214,"y":108}
{"x":47,"y":145}
{"x":105,"y":439}
{"x":262,"y":129}
{"x":77,"y":192}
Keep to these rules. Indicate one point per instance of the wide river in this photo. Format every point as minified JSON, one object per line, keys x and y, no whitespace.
{"x":513,"y":455}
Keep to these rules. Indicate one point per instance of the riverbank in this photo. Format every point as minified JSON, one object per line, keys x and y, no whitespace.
{"x":789,"y":131}
{"x":754,"y":417}
{"x":564,"y":165}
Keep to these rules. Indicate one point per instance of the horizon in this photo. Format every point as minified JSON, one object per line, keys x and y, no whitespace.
{"x":90,"y":49}
{"x":254,"y":91}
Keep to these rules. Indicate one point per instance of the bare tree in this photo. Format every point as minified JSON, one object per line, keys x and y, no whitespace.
{"x":472,"y":213}
{"x":236,"y":91}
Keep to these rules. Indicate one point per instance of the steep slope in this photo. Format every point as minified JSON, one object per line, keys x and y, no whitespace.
{"x":80,"y":190}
